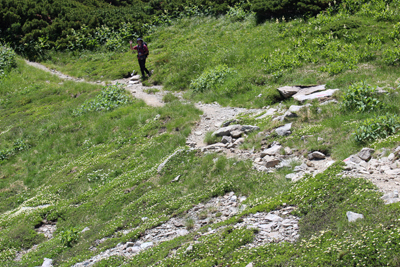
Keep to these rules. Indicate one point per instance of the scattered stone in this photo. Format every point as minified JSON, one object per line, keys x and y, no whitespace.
{"x":269,"y":112}
{"x":333,"y":101}
{"x":249,"y":128}
{"x":176,"y":179}
{"x":366,"y":153}
{"x":135,"y":78}
{"x":288,"y":91}
{"x":352,"y":216}
{"x":226,"y":139}
{"x":272,"y":151}
{"x":390,"y":198}
{"x":310,"y":90}
{"x":270,"y":162}
{"x":239,"y":141}
{"x":227,"y":130}
{"x":236,"y":134}
{"x":284,"y":130}
{"x":288,"y":151}
{"x":249,"y":265}
{"x":316,"y":155}
{"x":85,"y":230}
{"x":191,"y":144}
{"x":198,"y":133}
{"x":161,"y":166}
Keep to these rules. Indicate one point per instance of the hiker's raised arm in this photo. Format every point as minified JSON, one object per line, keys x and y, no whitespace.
{"x":130,"y":43}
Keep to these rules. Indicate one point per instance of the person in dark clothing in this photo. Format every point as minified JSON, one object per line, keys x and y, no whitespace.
{"x":143,"y":51}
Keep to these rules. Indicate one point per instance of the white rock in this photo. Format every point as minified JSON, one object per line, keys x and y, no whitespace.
{"x":47,"y":262}
{"x":273,"y":218}
{"x":85,"y":229}
{"x":316,"y":155}
{"x":176,"y":179}
{"x":198,"y":133}
{"x":227,"y":130}
{"x":146,"y":245}
{"x":226,"y":139}
{"x":249,"y":265}
{"x":271,"y":162}
{"x":317,"y":95}
{"x":352,"y":216}
{"x":284,"y":130}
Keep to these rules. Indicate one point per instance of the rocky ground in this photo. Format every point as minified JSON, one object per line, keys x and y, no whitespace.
{"x":275,"y":226}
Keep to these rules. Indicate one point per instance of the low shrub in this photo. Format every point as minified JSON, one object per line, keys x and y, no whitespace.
{"x":111,"y":97}
{"x":360,"y":97}
{"x":375,"y":128}
{"x":210,"y":79}
{"x":18,"y":146}
{"x":69,"y":236}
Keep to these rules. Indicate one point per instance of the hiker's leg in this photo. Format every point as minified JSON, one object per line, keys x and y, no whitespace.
{"x":145,"y":69}
{"x":142,"y":66}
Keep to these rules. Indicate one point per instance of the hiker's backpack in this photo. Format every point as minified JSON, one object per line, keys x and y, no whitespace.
{"x":148,"y":51}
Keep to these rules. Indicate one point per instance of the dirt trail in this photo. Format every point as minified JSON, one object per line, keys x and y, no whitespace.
{"x":213,"y":117}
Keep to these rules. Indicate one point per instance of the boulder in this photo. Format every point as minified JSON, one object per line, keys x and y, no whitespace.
{"x":288,"y":151}
{"x":294,"y":108}
{"x":226,"y":139}
{"x":366,"y":153}
{"x":239,"y":141}
{"x":272,"y":151}
{"x":249,"y":128}
{"x":227,"y":130}
{"x":236,"y":134}
{"x":288,"y":91}
{"x":271,"y":162}
{"x":284,"y":130}
{"x":249,"y":265}
{"x":352,"y":216}
{"x":316,"y":155}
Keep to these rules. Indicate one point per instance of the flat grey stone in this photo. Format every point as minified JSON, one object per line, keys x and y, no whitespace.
{"x":249,"y":265}
{"x":284,"y":130}
{"x":288,"y":91}
{"x":176,"y":179}
{"x":227,"y":130}
{"x":294,"y":108}
{"x":310,"y":90}
{"x":317,"y":95}
{"x":352,"y":216}
{"x":249,"y":128}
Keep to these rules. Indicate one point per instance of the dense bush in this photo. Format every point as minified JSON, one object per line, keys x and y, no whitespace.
{"x":18,"y":146}
{"x":287,"y":8}
{"x":210,"y":79}
{"x":7,"y":59}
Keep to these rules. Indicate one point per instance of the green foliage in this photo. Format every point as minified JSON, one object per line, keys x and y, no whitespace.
{"x":360,"y":97}
{"x":211,"y":79}
{"x":7,"y":59}
{"x":391,"y":56}
{"x":377,"y":128}
{"x":236,"y":13}
{"x":289,"y":9}
{"x":210,"y":139}
{"x":169,"y":97}
{"x":18,"y":146}
{"x":110,"y":97}
{"x":69,"y":237}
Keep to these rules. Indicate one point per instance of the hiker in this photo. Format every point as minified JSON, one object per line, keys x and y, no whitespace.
{"x":143,"y":52}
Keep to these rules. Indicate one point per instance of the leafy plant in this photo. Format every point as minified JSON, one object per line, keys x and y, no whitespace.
{"x":375,"y":128}
{"x":236,"y":13}
{"x":360,"y":97}
{"x":169,"y":97}
{"x":7,"y":59}
{"x":69,"y":236}
{"x":110,"y":97}
{"x":210,"y":79}
{"x":18,"y":146}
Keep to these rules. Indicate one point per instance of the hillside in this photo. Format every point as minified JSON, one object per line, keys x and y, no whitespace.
{"x":206,"y":163}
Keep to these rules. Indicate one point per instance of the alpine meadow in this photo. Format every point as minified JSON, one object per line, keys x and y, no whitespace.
{"x":267,"y":133}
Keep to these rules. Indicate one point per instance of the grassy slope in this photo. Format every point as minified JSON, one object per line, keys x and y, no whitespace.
{"x":120,"y":149}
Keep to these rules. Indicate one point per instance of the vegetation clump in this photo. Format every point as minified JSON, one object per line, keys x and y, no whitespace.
{"x":110,"y":97}
{"x":7,"y":59}
{"x":360,"y":97}
{"x":210,"y":79}
{"x":377,"y":128}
